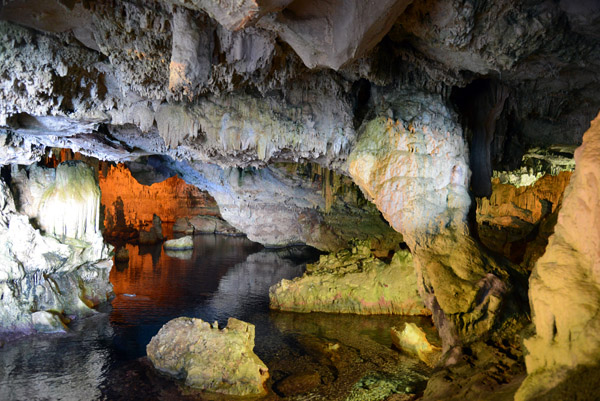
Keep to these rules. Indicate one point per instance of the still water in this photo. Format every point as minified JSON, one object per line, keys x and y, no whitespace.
{"x":103,"y":357}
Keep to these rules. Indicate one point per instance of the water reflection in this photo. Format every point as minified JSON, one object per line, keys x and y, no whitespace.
{"x":243,"y":288}
{"x":100,"y":358}
{"x":156,"y":287}
{"x":55,"y":366}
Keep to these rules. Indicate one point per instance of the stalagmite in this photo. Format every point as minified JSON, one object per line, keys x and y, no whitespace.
{"x":415,"y":170}
{"x":62,"y":268}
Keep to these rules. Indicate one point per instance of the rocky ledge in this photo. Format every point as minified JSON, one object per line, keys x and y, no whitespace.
{"x":353,"y":281}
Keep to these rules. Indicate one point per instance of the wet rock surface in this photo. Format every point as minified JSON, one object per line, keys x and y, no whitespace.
{"x":413,"y":340}
{"x":179,"y":244}
{"x":417,"y":101}
{"x":351,"y":365}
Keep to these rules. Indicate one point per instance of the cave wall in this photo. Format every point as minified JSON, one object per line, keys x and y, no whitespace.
{"x":225,"y":90}
{"x":565,"y":282}
{"x":129,"y":205}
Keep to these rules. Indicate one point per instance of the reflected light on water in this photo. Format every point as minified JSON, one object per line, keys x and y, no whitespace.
{"x":101,"y":357}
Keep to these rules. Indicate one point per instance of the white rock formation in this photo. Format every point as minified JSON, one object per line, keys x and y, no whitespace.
{"x":70,"y":206}
{"x":180,"y":244}
{"x":64,"y":274}
{"x":415,"y":169}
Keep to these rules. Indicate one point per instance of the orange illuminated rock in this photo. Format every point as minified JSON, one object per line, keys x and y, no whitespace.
{"x":129,"y":205}
{"x":513,"y":217}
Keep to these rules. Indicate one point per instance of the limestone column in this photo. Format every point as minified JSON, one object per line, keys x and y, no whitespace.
{"x":414,"y":168}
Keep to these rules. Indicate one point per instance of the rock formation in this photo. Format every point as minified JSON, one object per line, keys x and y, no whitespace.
{"x":60,"y":269}
{"x":413,"y":340}
{"x":516,"y":221}
{"x":154,"y":234}
{"x":180,"y":244}
{"x":129,"y":206}
{"x":219,"y":361}
{"x":415,"y":170}
{"x":352,"y":281}
{"x":564,"y":285}
{"x":204,"y":225}
{"x":290,"y":204}
{"x":280,"y":109}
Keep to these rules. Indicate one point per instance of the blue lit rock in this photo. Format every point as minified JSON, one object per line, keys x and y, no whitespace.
{"x":219,"y":361}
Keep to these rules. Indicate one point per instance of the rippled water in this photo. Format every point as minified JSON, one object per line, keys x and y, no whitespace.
{"x":101,"y":358}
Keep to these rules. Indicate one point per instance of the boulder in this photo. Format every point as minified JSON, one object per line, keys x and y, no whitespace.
{"x":180,"y":244}
{"x":182,"y":225}
{"x":122,"y":255}
{"x":154,"y":235}
{"x":46,"y":322}
{"x":221,"y":361}
{"x":353,"y":281}
{"x":212,"y":225}
{"x":413,"y":340}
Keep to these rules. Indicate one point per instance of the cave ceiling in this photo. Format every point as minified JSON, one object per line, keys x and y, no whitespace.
{"x":242,"y":83}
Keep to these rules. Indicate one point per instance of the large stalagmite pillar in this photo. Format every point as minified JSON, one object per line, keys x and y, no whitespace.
{"x":414,"y":168}
{"x":565,"y":283}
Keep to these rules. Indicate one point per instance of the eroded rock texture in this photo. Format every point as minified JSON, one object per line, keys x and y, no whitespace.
{"x":517,"y":221}
{"x":417,"y":101}
{"x":352,"y":281}
{"x":565,"y":285}
{"x":219,"y":361}
{"x":130,"y":206}
{"x":415,"y":170}
{"x":287,"y":204}
{"x":61,"y":268}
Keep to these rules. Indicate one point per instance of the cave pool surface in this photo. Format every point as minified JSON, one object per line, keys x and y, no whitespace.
{"x":103,"y":357}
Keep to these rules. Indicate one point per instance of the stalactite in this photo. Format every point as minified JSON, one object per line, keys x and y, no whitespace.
{"x":70,"y":206}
